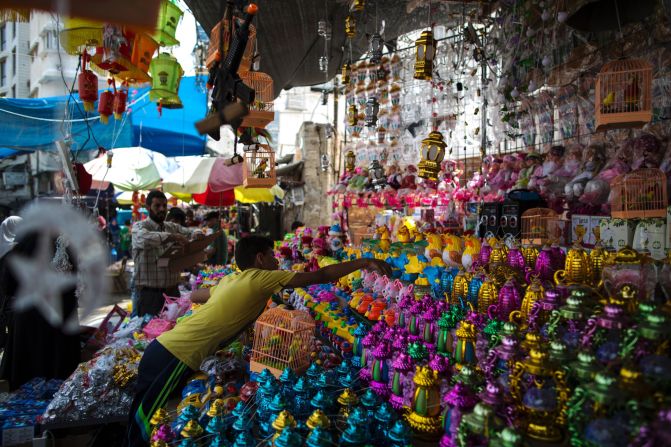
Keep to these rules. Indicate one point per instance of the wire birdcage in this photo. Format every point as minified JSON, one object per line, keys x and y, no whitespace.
{"x":282,"y":339}
{"x":639,"y":194}
{"x":258,"y":170}
{"x":213,"y":49}
{"x":539,"y":226}
{"x":623,"y":94}
{"x":261,"y":110}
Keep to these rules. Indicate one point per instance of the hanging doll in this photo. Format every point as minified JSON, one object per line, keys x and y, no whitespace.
{"x":593,"y":161}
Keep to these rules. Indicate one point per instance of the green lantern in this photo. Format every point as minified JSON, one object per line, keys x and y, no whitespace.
{"x":166,"y":73}
{"x":169,"y":16}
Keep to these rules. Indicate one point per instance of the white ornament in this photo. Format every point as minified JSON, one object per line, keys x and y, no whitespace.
{"x":514,"y":93}
{"x":41,"y":281}
{"x":545,"y":16}
{"x":562,"y":16}
{"x":532,"y":85}
{"x":546,"y":61}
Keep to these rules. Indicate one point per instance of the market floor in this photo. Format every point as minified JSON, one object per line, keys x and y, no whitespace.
{"x":97,"y":316}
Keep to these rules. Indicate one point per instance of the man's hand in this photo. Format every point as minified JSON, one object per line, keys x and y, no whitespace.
{"x":379,"y":266}
{"x":198,"y":236}
{"x":177,"y":239}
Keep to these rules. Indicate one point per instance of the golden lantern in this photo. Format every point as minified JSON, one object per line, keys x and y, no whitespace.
{"x":350,"y":159}
{"x":350,"y":27}
{"x":432,"y":152}
{"x":425,"y":53}
{"x":358,"y":5}
{"x":346,"y":73}
{"x":352,"y":115}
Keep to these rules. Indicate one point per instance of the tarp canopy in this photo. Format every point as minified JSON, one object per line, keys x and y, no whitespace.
{"x":287,"y":36}
{"x":36,"y":124}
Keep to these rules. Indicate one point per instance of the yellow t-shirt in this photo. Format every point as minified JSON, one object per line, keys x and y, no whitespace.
{"x":235,"y":303}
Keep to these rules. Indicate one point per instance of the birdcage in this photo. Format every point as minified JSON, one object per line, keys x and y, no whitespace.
{"x":539,"y":226}
{"x":261,"y":110}
{"x":258,"y":171}
{"x":80,"y":33}
{"x":623,"y":94}
{"x":213,"y":48}
{"x":282,"y":339}
{"x":639,"y":194}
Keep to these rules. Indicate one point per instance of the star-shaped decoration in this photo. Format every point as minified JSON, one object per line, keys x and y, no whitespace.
{"x":41,"y":286}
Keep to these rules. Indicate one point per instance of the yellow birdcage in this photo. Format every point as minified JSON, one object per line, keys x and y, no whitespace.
{"x":539,"y":226}
{"x":258,"y":170}
{"x":623,"y":94}
{"x":282,"y":339}
{"x":261,"y":111}
{"x":213,"y":48}
{"x":639,"y":194}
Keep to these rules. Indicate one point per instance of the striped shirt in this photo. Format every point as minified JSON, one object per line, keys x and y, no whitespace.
{"x":148,"y":246}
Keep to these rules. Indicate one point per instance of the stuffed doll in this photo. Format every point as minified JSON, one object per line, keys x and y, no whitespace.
{"x":534,"y":170}
{"x":519,"y":172}
{"x":593,"y":161}
{"x":555,"y":183}
{"x":409,"y":180}
{"x":394,"y":177}
{"x":502,"y":181}
{"x":665,"y":166}
{"x":550,"y":166}
{"x":647,"y":152}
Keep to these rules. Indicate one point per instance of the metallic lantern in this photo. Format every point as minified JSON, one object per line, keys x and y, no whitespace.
{"x":346,"y":73}
{"x":324,"y":29}
{"x":323,"y":64}
{"x":358,"y":5}
{"x":350,"y":160}
{"x":425,"y":52}
{"x":350,"y":27}
{"x":105,"y":106}
{"x":432,"y":152}
{"x":372,"y":109}
{"x":352,"y":115}
{"x":88,"y":89}
{"x":376,"y":47}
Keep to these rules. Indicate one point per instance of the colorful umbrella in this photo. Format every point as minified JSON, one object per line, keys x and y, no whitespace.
{"x":196,"y":174}
{"x":133,"y":169}
{"x":210,"y":198}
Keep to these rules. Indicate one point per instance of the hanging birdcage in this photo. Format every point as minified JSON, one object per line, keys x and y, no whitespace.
{"x":258,"y":170}
{"x":539,"y":226}
{"x":282,"y":339}
{"x":623,"y":94}
{"x":213,"y":48}
{"x":261,"y":110}
{"x":639,"y":194}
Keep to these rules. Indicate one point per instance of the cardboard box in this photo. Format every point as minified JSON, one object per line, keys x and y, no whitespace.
{"x":582,"y":223}
{"x":621,"y":232}
{"x":606,"y":233}
{"x":650,"y":235}
{"x":594,"y":223}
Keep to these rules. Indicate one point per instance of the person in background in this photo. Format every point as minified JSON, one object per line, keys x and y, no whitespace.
{"x":217,"y":251}
{"x":8,"y":234}
{"x":230,"y":307}
{"x":191,"y":218}
{"x":176,"y":215}
{"x":114,"y":239}
{"x":151,"y":238}
{"x":124,"y":239}
{"x":296,"y":225}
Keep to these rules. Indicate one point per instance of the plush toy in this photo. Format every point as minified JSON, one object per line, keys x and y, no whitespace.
{"x":335,"y":239}
{"x":551,"y":166}
{"x":519,"y":170}
{"x":394,"y":177}
{"x":503,"y":179}
{"x":593,"y":161}
{"x":598,"y":189}
{"x":647,"y":152}
{"x":409,"y":180}
{"x":534,"y":167}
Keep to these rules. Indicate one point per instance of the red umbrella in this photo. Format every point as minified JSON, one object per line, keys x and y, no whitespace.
{"x":209,"y":198}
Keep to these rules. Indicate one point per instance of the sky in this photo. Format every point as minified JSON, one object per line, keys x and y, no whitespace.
{"x":186,"y":34}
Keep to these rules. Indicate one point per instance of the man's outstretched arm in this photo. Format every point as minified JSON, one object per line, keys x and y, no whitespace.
{"x":336,"y":271}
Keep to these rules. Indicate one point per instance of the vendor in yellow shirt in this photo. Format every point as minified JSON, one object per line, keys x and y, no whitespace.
{"x":230,"y":307}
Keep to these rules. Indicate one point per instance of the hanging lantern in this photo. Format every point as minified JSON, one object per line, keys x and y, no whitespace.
{"x":358,"y":5}
{"x":324,"y":29}
{"x":346,"y":73}
{"x":352,"y":115}
{"x":105,"y":106}
{"x":78,"y":33}
{"x":323,"y":64}
{"x":425,"y":52}
{"x":432,"y":152}
{"x":166,"y":28}
{"x":376,"y":47}
{"x":88,"y":85}
{"x":166,"y":73}
{"x":119,"y":106}
{"x":372,"y":109}
{"x":350,"y":160}
{"x":350,"y":27}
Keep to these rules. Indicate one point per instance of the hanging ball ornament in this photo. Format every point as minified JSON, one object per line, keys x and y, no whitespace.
{"x":530,"y":32}
{"x":532,"y":85}
{"x":515,"y":93}
{"x":562,"y":16}
{"x":546,"y":61}
{"x":545,"y":15}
